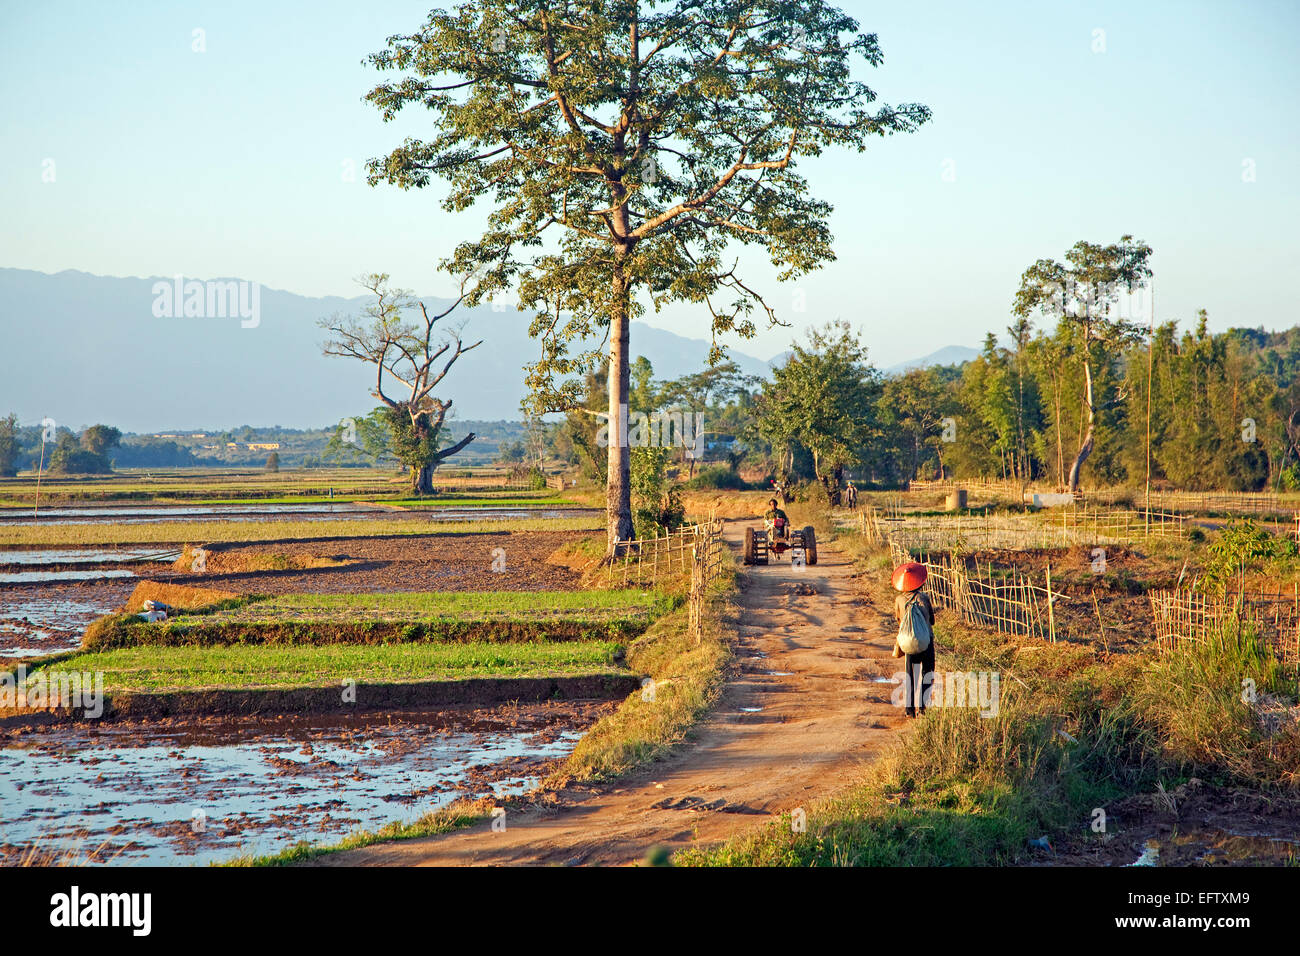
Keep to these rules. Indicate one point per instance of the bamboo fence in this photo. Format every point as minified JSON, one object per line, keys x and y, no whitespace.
{"x":876,"y":524}
{"x":708,"y":557}
{"x":1012,"y":489}
{"x":1208,"y":502}
{"x":1010,"y":603}
{"x":1013,"y":602}
{"x":1184,"y":502}
{"x":1070,"y":527}
{"x":645,"y":561}
{"x":1185,"y":615}
{"x":698,"y":549}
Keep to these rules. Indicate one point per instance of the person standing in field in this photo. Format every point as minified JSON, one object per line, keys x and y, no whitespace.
{"x":915,"y":639}
{"x":851,"y":496}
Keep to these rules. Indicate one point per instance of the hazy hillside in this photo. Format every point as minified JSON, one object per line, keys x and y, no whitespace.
{"x":948,"y":355}
{"x":83,"y":349}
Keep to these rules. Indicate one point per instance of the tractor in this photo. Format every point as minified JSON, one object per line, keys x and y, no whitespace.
{"x":777,"y":538}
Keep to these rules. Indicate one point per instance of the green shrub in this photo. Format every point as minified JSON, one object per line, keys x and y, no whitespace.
{"x":717,"y":478}
{"x":656,"y":503}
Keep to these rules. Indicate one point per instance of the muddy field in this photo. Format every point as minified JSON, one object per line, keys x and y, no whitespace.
{"x":1110,"y":606}
{"x":442,"y":562}
{"x":47,"y":611}
{"x":199,"y":791}
{"x":1194,"y":824}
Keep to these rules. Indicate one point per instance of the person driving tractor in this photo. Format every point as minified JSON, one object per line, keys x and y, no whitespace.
{"x":780,"y":521}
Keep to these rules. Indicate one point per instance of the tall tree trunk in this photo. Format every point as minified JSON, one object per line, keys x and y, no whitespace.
{"x":1060,"y":448}
{"x":618,"y":481}
{"x":1085,"y":446}
{"x":422,"y":480}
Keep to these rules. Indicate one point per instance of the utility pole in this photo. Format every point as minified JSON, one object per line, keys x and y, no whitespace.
{"x":36,"y":504}
{"x":1151,"y":351}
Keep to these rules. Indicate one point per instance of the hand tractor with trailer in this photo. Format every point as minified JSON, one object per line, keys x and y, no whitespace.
{"x":775,"y":537}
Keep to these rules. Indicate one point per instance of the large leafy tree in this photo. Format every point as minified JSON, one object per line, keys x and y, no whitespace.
{"x":100,"y":439}
{"x":622,"y":147}
{"x":823,"y":399}
{"x":912,"y":408}
{"x":87,"y":455}
{"x":1085,"y":290}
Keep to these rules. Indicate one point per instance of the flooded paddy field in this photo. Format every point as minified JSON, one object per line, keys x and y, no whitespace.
{"x":47,"y":558}
{"x":132,"y":515}
{"x":201,"y":792}
{"x":49,"y":619}
{"x":43,"y":566}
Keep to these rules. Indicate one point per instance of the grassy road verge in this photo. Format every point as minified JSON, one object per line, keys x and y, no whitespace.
{"x":1076,"y":730}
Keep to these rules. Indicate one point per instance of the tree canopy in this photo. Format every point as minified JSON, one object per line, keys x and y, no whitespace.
{"x":623,"y":148}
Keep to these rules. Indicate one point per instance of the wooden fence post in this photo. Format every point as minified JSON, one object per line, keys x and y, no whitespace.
{"x":1051,"y":610}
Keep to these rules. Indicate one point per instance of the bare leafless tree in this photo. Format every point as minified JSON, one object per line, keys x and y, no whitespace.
{"x":412,"y":356}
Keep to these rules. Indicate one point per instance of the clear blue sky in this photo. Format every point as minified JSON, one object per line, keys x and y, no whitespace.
{"x":230,"y":162}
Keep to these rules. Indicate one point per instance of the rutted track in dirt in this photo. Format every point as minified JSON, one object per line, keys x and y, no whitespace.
{"x":798,"y":719}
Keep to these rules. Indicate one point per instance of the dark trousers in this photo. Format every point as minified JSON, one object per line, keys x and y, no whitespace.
{"x":916,"y":667}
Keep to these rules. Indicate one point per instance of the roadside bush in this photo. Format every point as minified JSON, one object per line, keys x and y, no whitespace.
{"x":1239,"y":548}
{"x":656,"y":503}
{"x":717,"y":478}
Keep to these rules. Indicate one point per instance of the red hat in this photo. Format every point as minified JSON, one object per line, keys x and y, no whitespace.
{"x":909,"y":576}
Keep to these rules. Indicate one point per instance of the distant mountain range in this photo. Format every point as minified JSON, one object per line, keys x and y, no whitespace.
{"x":82,"y":349}
{"x":948,"y":355}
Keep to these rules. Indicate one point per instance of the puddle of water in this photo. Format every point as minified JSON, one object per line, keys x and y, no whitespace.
{"x":1232,"y":846}
{"x":38,"y":577}
{"x":124,"y":515}
{"x":885,"y":680}
{"x":173,"y":511}
{"x":750,"y":710}
{"x":1150,"y":855}
{"x":52,"y":556}
{"x":169,"y":798}
{"x":780,"y":673}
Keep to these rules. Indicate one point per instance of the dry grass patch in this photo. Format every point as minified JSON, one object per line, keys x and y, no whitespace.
{"x":175,"y":595}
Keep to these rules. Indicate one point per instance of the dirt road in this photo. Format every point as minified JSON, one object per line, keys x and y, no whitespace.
{"x":798,"y":718}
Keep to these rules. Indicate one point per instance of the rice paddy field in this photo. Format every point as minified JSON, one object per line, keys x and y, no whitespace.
{"x":334,"y":595}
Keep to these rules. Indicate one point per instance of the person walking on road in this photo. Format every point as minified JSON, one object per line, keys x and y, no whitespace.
{"x":915,"y":633}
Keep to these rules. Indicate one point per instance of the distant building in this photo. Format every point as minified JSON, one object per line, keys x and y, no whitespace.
{"x":263,"y":445}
